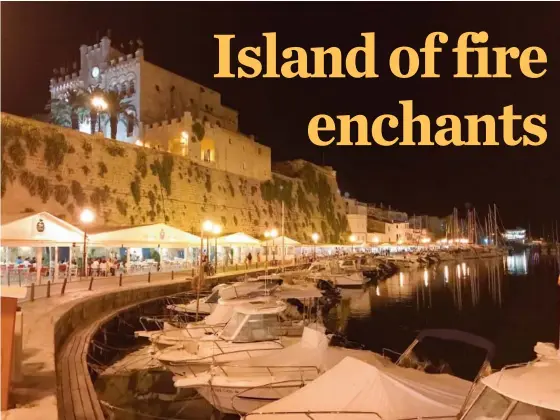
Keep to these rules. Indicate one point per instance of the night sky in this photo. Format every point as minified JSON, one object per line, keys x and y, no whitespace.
{"x":523,"y":182}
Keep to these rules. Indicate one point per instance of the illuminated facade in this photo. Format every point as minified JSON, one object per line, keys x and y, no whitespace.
{"x":515,"y":236}
{"x":167,"y":107}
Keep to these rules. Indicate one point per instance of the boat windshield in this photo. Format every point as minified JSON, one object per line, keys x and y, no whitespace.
{"x":493,"y":405}
{"x":255,"y":327}
{"x":232,"y":326}
{"x":213,"y":297}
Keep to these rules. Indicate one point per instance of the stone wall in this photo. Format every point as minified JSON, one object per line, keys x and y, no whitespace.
{"x":47,"y":168}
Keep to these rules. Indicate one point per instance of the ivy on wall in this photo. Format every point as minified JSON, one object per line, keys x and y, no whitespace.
{"x":16,"y":152}
{"x":115,"y":150}
{"x":135,"y":189}
{"x":141,"y":163}
{"x":61,"y":194}
{"x":163,"y":170}
{"x":100,"y":197}
{"x":56,"y":148}
{"x":122,"y":206}
{"x":43,"y":188}
{"x":78,"y":193}
{"x":102,"y":169}
{"x":198,"y":131}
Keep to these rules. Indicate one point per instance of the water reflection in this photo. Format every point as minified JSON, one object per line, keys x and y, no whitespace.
{"x":517,"y":264}
{"x":464,"y":283}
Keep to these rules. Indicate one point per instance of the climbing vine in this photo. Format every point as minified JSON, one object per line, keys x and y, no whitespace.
{"x":43,"y":188}
{"x":32,"y":140}
{"x":115,"y":150}
{"x":102,"y":169}
{"x":55,"y":149}
{"x":198,"y":131}
{"x":141,"y":163}
{"x":163,"y":170}
{"x":78,"y":193}
{"x":17,"y":153}
{"x":122,"y":206}
{"x":61,"y":194}
{"x":27,"y":180}
{"x":100,"y":196}
{"x":135,"y":189}
{"x":208,"y":183}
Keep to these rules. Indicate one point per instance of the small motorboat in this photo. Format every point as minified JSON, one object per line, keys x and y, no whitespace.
{"x":253,"y":330}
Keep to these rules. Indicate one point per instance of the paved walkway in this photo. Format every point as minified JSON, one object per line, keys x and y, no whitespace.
{"x":35,"y":396}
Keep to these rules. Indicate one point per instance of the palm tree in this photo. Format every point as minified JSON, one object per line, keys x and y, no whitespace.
{"x":118,"y":109}
{"x":69,"y":109}
{"x":93,"y":111}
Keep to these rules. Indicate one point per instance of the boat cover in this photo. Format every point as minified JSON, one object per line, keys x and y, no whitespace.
{"x":357,"y":390}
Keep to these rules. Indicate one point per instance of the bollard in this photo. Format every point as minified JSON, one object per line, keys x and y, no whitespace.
{"x":19,"y":277}
{"x":149,"y":276}
{"x":90,"y":283}
{"x":8,"y":277}
{"x":32,"y":297}
{"x":172,"y":275}
{"x":192,"y":275}
{"x":120,"y":280}
{"x":235,"y":267}
{"x":48,"y":288}
{"x":63,"y":286}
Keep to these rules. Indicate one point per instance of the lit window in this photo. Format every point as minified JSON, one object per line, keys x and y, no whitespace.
{"x":244,"y":166}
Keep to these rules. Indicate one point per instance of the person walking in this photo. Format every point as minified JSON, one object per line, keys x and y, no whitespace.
{"x":249,"y":258}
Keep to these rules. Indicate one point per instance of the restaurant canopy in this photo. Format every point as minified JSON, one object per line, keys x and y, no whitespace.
{"x":238,"y":239}
{"x":36,"y":230}
{"x":146,"y":236}
{"x":278,"y":242}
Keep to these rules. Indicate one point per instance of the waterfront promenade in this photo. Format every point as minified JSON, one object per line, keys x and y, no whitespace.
{"x":34,"y":393}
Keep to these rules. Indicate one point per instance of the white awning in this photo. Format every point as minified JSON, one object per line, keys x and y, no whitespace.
{"x":238,"y":239}
{"x":357,"y":390}
{"x":278,"y":242}
{"x":40,"y":229}
{"x":147,"y":236}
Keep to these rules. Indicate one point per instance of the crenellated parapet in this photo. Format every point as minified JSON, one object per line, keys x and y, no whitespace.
{"x":64,"y":83}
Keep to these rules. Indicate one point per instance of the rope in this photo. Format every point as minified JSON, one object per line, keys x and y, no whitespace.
{"x":151,"y":416}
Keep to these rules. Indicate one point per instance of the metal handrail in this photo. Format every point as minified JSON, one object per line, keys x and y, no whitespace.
{"x":309,"y":414}
{"x":271,"y":385}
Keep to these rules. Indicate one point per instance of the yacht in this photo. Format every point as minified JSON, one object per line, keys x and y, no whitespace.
{"x":523,"y":391}
{"x":172,"y":333}
{"x":250,"y":285}
{"x":206,"y":305}
{"x":253,"y":330}
{"x":357,"y":390}
{"x":340,"y":274}
{"x":239,"y":388}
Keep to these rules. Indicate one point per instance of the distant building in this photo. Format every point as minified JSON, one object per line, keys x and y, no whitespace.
{"x":356,"y":213}
{"x":518,"y":236}
{"x":386,"y":213}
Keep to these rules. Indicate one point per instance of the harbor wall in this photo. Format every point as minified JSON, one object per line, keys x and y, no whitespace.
{"x":54,"y":169}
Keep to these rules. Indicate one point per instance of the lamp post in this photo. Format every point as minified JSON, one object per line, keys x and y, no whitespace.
{"x":315,"y":238}
{"x":99,"y":104}
{"x":86,"y":217}
{"x":216,"y":230}
{"x":273,"y":233}
{"x":352,"y":239}
{"x":208,"y":227}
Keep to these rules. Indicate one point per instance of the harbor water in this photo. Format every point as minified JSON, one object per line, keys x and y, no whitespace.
{"x":513,"y":301}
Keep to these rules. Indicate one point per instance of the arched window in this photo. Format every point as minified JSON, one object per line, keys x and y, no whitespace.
{"x":207,"y":150}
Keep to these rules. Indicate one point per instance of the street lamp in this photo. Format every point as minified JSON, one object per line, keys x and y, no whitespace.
{"x":86,"y":217}
{"x":100,"y":105}
{"x":273,"y":233}
{"x":208,"y":227}
{"x":352,"y":239}
{"x":315,"y":238}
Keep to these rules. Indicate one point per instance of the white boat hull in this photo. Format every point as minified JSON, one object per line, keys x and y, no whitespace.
{"x":243,"y":400}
